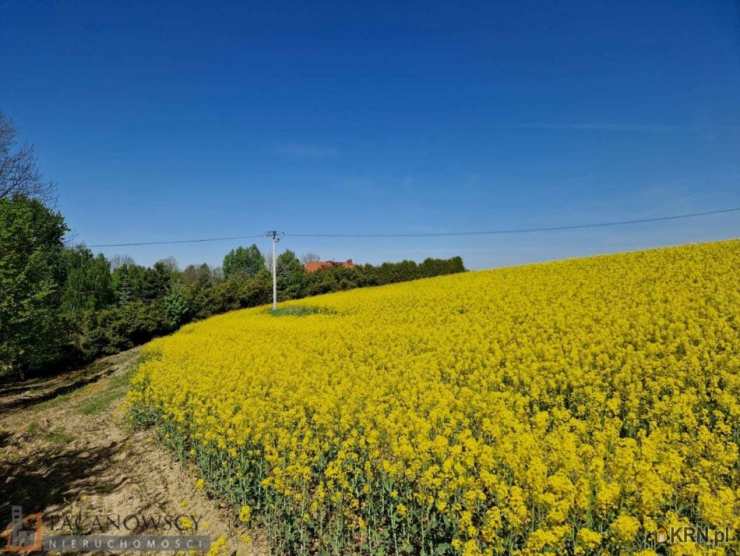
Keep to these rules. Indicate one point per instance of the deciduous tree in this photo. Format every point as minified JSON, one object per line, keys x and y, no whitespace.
{"x":31,"y":284}
{"x":243,"y":260}
{"x":19,"y":173}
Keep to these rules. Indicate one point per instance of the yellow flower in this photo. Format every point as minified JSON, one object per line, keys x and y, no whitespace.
{"x":218,"y":547}
{"x":501,"y":409}
{"x":492,"y":522}
{"x":625,"y":528}
{"x":588,"y":539}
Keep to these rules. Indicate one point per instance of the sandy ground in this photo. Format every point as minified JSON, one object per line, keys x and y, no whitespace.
{"x":67,"y":450}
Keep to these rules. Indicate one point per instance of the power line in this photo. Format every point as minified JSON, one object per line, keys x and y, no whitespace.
{"x":503,"y":231}
{"x":527,"y":230}
{"x":175,"y":241}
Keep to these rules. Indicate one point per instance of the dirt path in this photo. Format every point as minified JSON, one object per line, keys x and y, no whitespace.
{"x":66,"y":449}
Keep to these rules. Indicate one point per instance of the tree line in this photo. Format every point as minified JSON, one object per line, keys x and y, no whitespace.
{"x":63,"y":305}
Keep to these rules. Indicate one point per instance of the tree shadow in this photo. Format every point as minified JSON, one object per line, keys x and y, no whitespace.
{"x":19,"y":395}
{"x":30,"y":398}
{"x":5,"y":437}
{"x":55,"y":476}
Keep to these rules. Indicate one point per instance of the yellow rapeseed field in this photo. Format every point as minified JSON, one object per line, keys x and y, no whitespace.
{"x":587,"y":406}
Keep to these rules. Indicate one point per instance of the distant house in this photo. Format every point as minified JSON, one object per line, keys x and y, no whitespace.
{"x":313,"y":266}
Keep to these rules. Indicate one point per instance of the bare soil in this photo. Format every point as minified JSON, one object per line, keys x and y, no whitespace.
{"x":67,"y":449}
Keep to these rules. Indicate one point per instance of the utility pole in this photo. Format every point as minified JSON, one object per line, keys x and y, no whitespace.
{"x":275,"y":236}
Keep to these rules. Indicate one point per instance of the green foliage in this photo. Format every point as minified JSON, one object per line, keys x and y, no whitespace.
{"x":298,"y":311}
{"x":243,"y":260}
{"x":88,"y":285}
{"x":341,"y":278}
{"x":257,"y":291}
{"x":65,"y":306}
{"x":176,"y":307}
{"x":133,"y":282}
{"x":197,"y":276}
{"x":31,"y":278}
{"x":287,"y":263}
{"x":290,"y":276}
{"x":120,"y":327}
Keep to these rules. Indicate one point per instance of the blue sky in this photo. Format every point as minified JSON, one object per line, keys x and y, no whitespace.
{"x":172,"y":120}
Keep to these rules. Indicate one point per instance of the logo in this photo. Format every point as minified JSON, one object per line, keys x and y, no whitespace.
{"x":700,"y":535}
{"x":661,"y":535}
{"x":23,"y":535}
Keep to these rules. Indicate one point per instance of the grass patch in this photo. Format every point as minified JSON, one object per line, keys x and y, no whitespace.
{"x":55,"y":436}
{"x":55,"y":401}
{"x":299,"y":311}
{"x":59,"y":436}
{"x":116,"y":389}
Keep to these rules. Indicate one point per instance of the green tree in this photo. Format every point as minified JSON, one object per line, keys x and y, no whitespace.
{"x":31,"y":279}
{"x":127,"y":280}
{"x":176,"y":307}
{"x":197,"y":275}
{"x":258,"y":290}
{"x":290,"y":275}
{"x":243,"y":260}
{"x":158,"y":280}
{"x":132,"y":282}
{"x":88,"y":285}
{"x":198,"y":282}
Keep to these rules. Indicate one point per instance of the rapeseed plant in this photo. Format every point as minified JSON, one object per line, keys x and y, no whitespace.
{"x":569,"y":407}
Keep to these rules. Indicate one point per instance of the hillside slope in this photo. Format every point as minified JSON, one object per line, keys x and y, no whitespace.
{"x":574,"y":406}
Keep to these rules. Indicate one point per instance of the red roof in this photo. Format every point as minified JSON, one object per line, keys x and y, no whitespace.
{"x":313,"y":266}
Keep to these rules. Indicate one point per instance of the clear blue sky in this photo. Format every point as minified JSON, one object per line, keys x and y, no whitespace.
{"x":171,"y":120}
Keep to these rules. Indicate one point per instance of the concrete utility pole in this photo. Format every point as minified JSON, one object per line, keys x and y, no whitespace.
{"x":275,"y":236}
